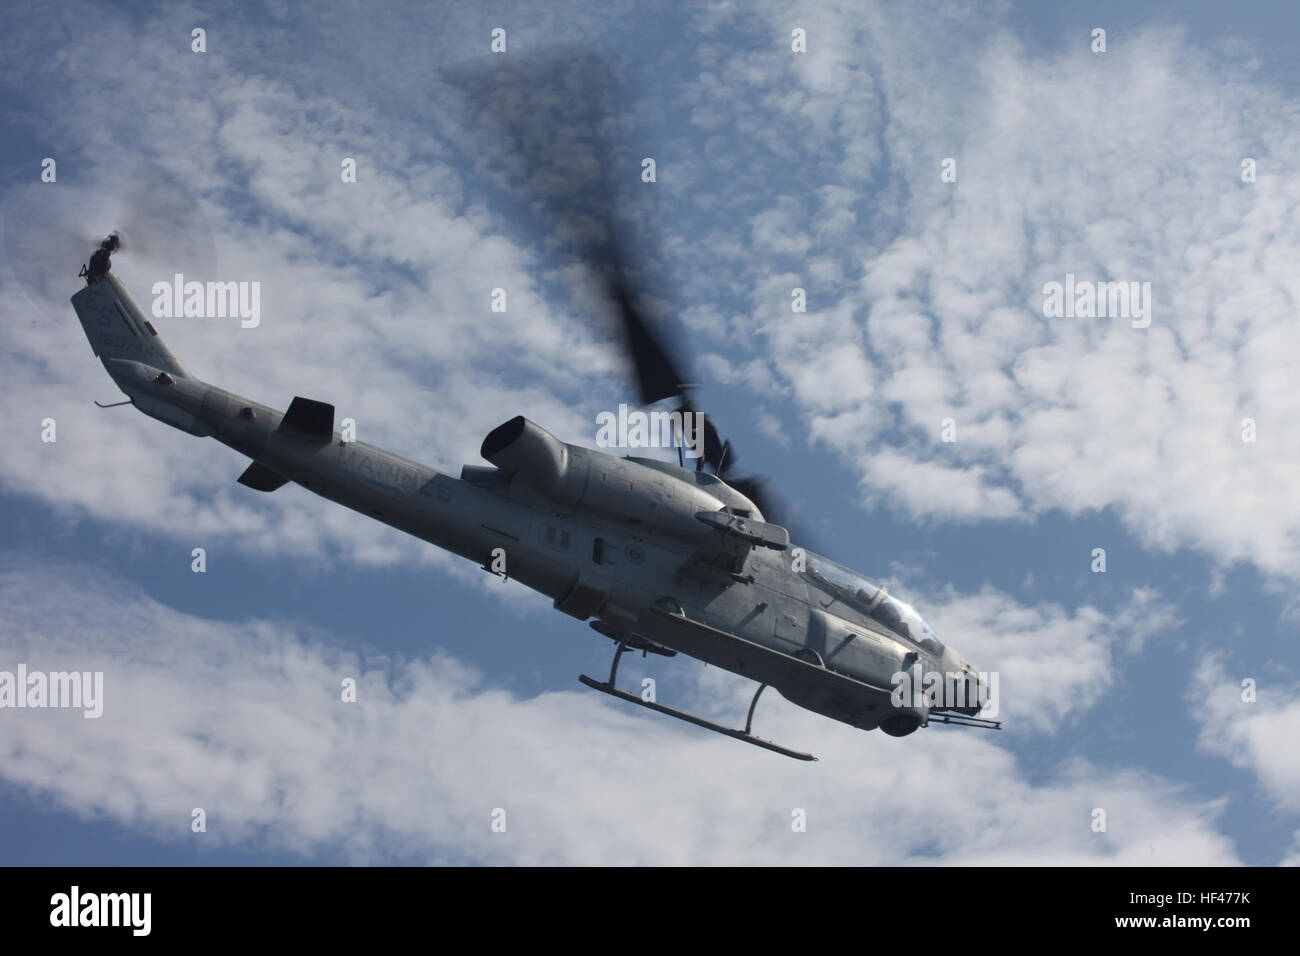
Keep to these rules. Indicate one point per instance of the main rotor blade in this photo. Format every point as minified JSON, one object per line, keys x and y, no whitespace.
{"x":775,"y":509}
{"x":755,"y":489}
{"x":557,"y":150}
{"x":656,"y":373}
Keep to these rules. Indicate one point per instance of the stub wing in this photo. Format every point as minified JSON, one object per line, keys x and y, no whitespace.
{"x":260,"y":478}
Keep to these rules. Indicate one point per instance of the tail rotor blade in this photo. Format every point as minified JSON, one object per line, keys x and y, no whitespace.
{"x":50,"y":231}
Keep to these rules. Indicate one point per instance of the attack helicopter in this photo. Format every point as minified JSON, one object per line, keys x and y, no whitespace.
{"x":657,"y":556}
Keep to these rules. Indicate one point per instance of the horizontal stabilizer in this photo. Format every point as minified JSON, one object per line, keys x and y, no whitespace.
{"x":260,"y":478}
{"x":309,"y":420}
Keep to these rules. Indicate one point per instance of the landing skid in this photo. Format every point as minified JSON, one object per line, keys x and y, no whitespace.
{"x":962,"y":720}
{"x":607,"y":687}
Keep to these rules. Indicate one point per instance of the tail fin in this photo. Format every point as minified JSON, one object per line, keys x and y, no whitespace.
{"x":117,"y":329}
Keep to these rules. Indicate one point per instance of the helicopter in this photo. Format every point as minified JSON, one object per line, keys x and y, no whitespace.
{"x":658,"y":557}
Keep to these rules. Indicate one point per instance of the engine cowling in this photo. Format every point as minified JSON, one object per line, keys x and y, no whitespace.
{"x":579,"y":479}
{"x":520,"y":447}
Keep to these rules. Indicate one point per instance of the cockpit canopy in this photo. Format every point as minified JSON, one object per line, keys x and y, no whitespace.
{"x":872,"y":600}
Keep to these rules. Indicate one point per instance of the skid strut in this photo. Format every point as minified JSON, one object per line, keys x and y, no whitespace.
{"x":608,"y":687}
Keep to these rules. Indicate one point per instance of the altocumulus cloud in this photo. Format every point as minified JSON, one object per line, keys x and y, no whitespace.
{"x":924,"y":304}
{"x":246,"y":721}
{"x":383,"y":281}
{"x":924,"y":297}
{"x":1125,"y":166}
{"x":1258,"y":735}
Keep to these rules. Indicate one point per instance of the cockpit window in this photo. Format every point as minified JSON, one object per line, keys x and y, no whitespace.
{"x":873,"y":600}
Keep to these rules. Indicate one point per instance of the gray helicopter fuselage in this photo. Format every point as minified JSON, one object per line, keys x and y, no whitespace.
{"x":654,"y":554}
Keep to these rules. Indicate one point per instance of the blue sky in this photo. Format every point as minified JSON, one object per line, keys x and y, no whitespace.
{"x":1121,"y":690}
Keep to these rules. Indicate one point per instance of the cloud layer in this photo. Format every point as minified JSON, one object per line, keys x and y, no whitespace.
{"x":819,"y":171}
{"x":247,"y":721}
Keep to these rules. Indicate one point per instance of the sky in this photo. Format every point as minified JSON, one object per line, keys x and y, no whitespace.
{"x":1162,"y":691}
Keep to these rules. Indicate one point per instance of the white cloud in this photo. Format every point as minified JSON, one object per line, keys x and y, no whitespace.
{"x":245,"y":720}
{"x":928,"y":489}
{"x":818,"y":171}
{"x":924,"y":297}
{"x":1293,"y":855}
{"x":1054,"y":665}
{"x":1258,"y":736}
{"x":424,"y":366}
{"x":1122,"y":167}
